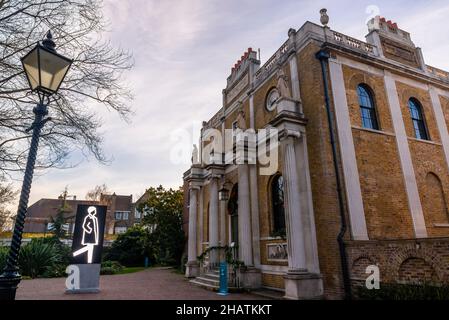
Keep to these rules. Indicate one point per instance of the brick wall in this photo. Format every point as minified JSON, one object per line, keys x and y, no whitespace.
{"x":273,"y":281}
{"x":401,"y":261}
{"x":445,"y":106}
{"x":387,"y":214}
{"x":322,"y":174}
{"x":428,"y":161}
{"x":262,"y":115}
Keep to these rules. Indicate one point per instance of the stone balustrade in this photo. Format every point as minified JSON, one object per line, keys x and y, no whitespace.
{"x":438,"y":72}
{"x":269,"y":66}
{"x":353,"y":43}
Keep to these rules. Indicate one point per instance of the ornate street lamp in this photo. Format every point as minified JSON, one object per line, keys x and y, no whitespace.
{"x":45,"y":70}
{"x":223,"y":194}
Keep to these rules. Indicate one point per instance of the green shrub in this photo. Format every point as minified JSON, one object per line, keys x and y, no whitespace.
{"x":395,"y":291}
{"x":130,"y":248}
{"x":42,"y":257}
{"x":3,"y":255}
{"x":111,"y":267}
{"x":37,"y":258}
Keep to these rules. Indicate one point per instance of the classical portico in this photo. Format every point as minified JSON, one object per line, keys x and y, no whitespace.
{"x":239,"y":221}
{"x":302,"y":278}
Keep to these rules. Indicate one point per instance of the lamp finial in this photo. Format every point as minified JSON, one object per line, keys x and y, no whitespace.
{"x":48,"y":42}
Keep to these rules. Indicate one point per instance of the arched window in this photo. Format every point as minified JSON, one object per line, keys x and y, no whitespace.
{"x":419,"y":124}
{"x":434,"y":200}
{"x":367,"y":107}
{"x":277,"y":202}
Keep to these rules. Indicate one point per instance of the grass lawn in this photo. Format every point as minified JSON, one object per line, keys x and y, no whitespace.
{"x":131,"y":270}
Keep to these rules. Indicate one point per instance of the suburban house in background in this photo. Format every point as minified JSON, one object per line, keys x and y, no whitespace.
{"x":41,"y":212}
{"x":139,"y":212}
{"x":120,"y":213}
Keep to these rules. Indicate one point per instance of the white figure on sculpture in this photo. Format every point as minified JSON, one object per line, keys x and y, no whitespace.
{"x":282,"y":84}
{"x":195,"y":155}
{"x":90,"y":234}
{"x":241,"y":119}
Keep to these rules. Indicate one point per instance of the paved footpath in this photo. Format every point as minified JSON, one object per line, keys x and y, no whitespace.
{"x":151,"y":284}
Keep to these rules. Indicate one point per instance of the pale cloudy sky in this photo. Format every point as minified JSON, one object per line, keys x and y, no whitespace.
{"x":183,"y":52}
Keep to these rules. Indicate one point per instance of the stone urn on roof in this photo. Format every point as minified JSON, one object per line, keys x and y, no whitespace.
{"x":324,"y":17}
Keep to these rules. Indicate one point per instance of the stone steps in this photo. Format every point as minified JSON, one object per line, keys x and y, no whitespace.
{"x":207,"y":280}
{"x":211,"y":281}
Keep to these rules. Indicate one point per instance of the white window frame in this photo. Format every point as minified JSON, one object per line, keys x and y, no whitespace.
{"x":122,"y":215}
{"x":120,"y":230}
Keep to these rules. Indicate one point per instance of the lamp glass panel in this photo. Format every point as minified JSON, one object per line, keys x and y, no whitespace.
{"x":223,"y":195}
{"x":53,"y":70}
{"x":30,"y":64}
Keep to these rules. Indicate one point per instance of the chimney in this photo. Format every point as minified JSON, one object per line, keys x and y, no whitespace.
{"x":388,"y":38}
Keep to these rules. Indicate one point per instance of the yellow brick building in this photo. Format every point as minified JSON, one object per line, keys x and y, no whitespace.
{"x":362,"y":173}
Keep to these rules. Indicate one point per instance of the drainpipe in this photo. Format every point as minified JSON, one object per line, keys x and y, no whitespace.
{"x":323,"y":56}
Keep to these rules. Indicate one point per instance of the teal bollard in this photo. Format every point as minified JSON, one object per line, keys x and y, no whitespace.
{"x":223,"y":290}
{"x":147,"y":262}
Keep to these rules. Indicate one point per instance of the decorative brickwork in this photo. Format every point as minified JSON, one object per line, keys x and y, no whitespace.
{"x":401,"y":261}
{"x":396,"y":51}
{"x":415,"y":270}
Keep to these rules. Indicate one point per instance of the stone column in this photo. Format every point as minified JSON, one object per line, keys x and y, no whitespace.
{"x":295,"y":228}
{"x":223,"y":222}
{"x":245,"y":238}
{"x":200,"y":219}
{"x":192,"y":267}
{"x":302,"y":281}
{"x":254,"y":195}
{"x":213,"y":218}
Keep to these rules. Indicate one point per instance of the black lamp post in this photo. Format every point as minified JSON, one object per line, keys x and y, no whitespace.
{"x":45,"y":70}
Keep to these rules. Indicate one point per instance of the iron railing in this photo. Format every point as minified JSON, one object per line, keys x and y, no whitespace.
{"x":212,"y":257}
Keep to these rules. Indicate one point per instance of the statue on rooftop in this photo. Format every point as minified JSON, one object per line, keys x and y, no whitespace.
{"x":241,"y":119}
{"x":282,"y":84}
{"x":195,"y":155}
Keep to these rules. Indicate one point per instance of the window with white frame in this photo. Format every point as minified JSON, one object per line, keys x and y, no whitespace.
{"x":51,"y":226}
{"x":120,"y":230}
{"x":122,"y":215}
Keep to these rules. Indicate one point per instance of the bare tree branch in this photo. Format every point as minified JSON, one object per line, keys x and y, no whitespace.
{"x":95,"y":78}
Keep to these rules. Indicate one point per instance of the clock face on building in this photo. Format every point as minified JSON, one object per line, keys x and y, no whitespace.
{"x":272,"y":97}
